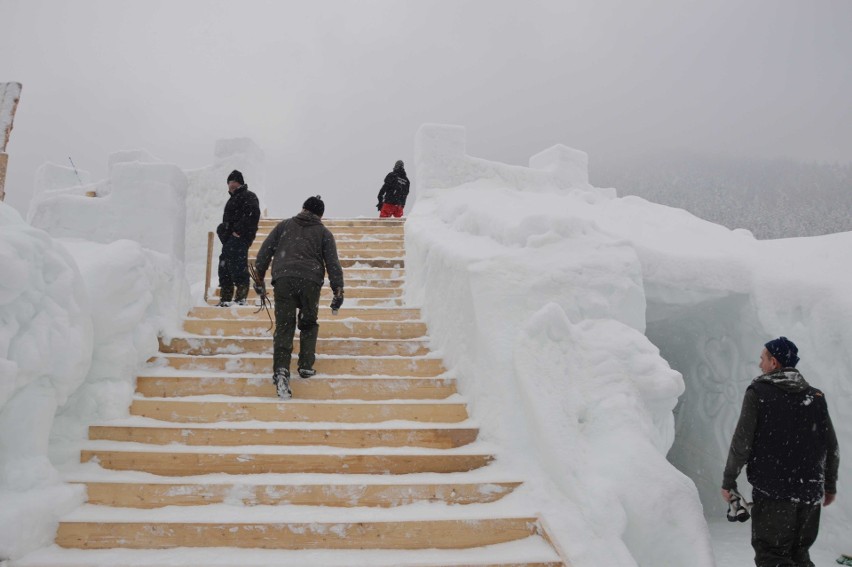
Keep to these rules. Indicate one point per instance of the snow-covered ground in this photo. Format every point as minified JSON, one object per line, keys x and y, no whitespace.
{"x":603,"y":344}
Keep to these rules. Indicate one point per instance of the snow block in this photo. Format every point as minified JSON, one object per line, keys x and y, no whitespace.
{"x":570,"y":165}
{"x":126,"y":156}
{"x":144,"y":202}
{"x":441,"y":162}
{"x":53,"y":177}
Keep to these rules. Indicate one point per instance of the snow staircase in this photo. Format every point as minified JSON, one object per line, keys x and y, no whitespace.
{"x":374,"y":461}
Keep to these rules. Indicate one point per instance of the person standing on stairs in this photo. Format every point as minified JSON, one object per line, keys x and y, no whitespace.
{"x":301,"y":250}
{"x":394,"y":192}
{"x":236,"y":232}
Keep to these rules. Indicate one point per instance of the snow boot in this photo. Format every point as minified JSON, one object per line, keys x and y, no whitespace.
{"x":226,"y":294}
{"x":307,"y":373}
{"x":738,"y":508}
{"x":241,"y":295}
{"x":281,"y":379}
{"x":845,"y":559}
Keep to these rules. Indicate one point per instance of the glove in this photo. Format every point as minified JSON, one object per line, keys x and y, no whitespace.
{"x":260,"y":289}
{"x":379,"y":206}
{"x":336,"y":302}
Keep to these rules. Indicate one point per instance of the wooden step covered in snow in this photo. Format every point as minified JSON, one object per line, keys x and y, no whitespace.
{"x":202,"y":410}
{"x":328,"y":328}
{"x":360,"y":313}
{"x":420,"y":366}
{"x":181,"y":461}
{"x":316,"y":388}
{"x":155,"y":495}
{"x":206,"y":345}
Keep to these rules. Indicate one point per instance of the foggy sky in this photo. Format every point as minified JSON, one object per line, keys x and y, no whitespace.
{"x":335,"y":91}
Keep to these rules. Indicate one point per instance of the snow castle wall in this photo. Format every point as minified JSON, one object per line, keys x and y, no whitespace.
{"x":540,"y":313}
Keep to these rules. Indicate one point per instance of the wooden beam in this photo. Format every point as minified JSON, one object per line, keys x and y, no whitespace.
{"x":167,"y":463}
{"x":439,"y":438}
{"x":317,"y":388}
{"x":142,"y":495}
{"x":435,"y":534}
{"x":203,"y":346}
{"x":327,"y":328}
{"x":183,"y":411}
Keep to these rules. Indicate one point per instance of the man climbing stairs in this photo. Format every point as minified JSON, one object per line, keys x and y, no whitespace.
{"x":375,"y":460}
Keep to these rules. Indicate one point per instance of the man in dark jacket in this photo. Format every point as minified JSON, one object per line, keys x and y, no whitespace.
{"x":237,"y":232}
{"x":301,"y":250}
{"x":786,"y":440}
{"x":394,"y":192}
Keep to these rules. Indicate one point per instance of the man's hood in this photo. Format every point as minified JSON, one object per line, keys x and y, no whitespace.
{"x":787,"y":379}
{"x":307,"y":218}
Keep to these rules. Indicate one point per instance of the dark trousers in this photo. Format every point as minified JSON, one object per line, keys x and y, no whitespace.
{"x":782,"y":532}
{"x":233,"y":267}
{"x":292,"y":294}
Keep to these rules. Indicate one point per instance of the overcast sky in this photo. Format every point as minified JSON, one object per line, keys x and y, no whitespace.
{"x":335,"y":91}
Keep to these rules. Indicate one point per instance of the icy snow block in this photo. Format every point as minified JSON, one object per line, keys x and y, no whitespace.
{"x":439,"y":156}
{"x":224,"y":149}
{"x":50,"y":177}
{"x":150,"y":201}
{"x":129,"y":156}
{"x":570,"y":166}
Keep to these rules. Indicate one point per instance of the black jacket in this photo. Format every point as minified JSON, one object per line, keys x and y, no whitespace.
{"x":242,"y":214}
{"x":395,"y":189}
{"x":786,"y":440}
{"x":301,"y":247}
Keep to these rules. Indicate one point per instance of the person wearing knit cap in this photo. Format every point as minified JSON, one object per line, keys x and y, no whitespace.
{"x":301,"y":250}
{"x":236,"y":232}
{"x":394,"y":192}
{"x":787,"y":443}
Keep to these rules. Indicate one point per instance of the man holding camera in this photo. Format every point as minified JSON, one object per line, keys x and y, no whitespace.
{"x":787,"y":442}
{"x":301,"y":250}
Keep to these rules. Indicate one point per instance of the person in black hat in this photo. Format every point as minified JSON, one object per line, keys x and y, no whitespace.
{"x":787,"y":443}
{"x":301,"y":250}
{"x":236,"y":232}
{"x":394,"y":192}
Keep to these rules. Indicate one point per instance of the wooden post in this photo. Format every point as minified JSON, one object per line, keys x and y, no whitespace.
{"x":10,"y":94}
{"x":209,"y":265}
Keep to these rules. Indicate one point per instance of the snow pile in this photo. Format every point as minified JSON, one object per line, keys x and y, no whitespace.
{"x":207,"y":193}
{"x":77,"y":318}
{"x":538,"y":289}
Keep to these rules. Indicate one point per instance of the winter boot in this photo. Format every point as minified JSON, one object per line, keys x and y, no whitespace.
{"x":225,"y":295}
{"x":281,"y":379}
{"x":241,"y":295}
{"x":307,"y":373}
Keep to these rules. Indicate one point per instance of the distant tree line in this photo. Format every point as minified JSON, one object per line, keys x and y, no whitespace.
{"x":777,"y":198}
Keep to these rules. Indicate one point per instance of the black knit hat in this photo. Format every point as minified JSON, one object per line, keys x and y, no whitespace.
{"x":399,"y":164}
{"x":236,"y":176}
{"x":784,"y":351}
{"x":315,"y":205}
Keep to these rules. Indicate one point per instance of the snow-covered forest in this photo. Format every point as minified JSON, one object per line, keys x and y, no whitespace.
{"x":773,"y":198}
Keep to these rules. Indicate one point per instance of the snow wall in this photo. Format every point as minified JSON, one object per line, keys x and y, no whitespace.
{"x":80,"y":311}
{"x":549,"y":298}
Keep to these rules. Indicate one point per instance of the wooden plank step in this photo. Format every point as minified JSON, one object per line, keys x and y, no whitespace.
{"x":177,"y":463}
{"x":350,"y":292}
{"x":352,"y":252}
{"x":325,"y":364}
{"x":360,"y":438}
{"x":355,"y":282}
{"x":182,"y":410}
{"x":327,"y":329}
{"x":441,"y":534}
{"x":203,"y":345}
{"x":342,"y":222}
{"x":533,"y":551}
{"x":151,"y":495}
{"x":361,"y":313}
{"x":317,"y":388}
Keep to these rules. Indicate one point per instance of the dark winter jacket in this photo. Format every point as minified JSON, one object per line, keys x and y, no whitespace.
{"x":242,"y":214}
{"x":301,"y":247}
{"x":395,"y":189}
{"x":785,"y":439}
